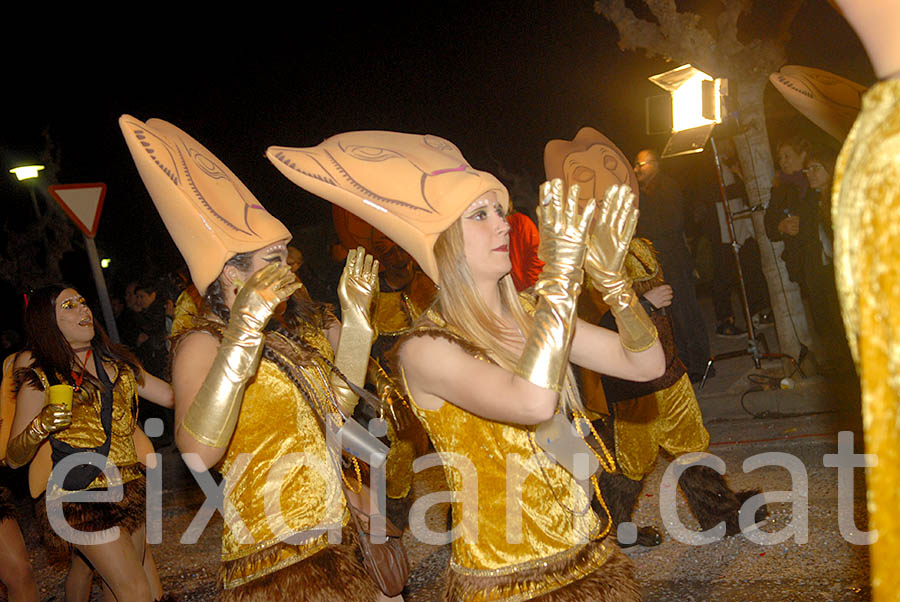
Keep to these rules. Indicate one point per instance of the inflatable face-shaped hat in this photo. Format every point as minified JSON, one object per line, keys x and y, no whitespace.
{"x":409,"y":186}
{"x":208,"y":211}
{"x":590,"y":160}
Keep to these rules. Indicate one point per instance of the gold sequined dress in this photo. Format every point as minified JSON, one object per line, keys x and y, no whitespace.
{"x":866,"y":220}
{"x":283,"y":493}
{"x":525,"y":528}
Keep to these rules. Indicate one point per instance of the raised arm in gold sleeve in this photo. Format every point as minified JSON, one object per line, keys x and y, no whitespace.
{"x":605,"y":262}
{"x":357,"y":290}
{"x":214,"y":412}
{"x":562,"y":249}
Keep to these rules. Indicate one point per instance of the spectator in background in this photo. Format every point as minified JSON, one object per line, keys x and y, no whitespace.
{"x":523,"y":249}
{"x":151,"y":339}
{"x":662,"y":222}
{"x":817,"y":279}
{"x":127,"y":321}
{"x":786,"y":204}
{"x":151,"y":350}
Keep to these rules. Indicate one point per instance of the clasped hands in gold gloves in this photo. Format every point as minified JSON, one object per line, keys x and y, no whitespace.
{"x":213,"y":415}
{"x":21,"y":448}
{"x":566,"y":252}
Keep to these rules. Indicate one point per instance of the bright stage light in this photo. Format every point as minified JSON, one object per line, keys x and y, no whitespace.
{"x":696,"y":107}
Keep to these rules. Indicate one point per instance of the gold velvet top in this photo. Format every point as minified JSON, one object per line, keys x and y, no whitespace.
{"x":866,"y":219}
{"x":87,"y":431}
{"x":280,"y":482}
{"x":396,"y":311}
{"x":513,"y":507}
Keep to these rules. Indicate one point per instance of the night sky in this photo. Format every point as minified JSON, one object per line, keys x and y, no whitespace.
{"x":499,"y":80}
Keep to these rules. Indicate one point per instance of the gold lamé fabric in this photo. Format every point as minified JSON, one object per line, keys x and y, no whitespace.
{"x":186,"y":312}
{"x":86,"y":429}
{"x":390,"y":312}
{"x":556,"y":518}
{"x":289,"y":485}
{"x":277,"y":429}
{"x":395,"y":311}
{"x":669,"y":418}
{"x":866,"y":220}
{"x":283,"y":483}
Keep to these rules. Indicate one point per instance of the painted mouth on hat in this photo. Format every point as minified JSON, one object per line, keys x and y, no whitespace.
{"x":448,"y":170}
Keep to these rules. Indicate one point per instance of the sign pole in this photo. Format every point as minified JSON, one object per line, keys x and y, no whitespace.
{"x":102,"y":293}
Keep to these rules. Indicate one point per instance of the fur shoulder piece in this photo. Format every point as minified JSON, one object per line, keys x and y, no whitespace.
{"x":197,"y":325}
{"x":432,"y":324}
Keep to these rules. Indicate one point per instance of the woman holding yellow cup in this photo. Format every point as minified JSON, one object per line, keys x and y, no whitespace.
{"x":78,"y":393}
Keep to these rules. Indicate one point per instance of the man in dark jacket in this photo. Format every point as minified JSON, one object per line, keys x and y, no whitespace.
{"x":662,"y":222}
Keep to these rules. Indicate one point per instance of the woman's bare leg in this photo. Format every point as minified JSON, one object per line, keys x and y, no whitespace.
{"x":139,"y":540}
{"x":78,"y":580}
{"x":15,"y":568}
{"x":120,"y":567}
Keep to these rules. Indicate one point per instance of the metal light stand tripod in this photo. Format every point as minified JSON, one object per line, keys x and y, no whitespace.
{"x":752,"y":349}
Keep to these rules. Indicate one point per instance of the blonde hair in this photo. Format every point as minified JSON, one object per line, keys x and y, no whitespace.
{"x":461,"y":305}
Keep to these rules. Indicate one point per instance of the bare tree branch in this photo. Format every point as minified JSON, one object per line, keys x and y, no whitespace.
{"x":784,"y":25}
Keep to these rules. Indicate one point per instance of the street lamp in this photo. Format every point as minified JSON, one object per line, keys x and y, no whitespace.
{"x":29,"y":172}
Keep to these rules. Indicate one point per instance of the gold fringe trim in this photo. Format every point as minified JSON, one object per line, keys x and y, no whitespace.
{"x":262,"y":545}
{"x":594,"y":571}
{"x":333,"y":572}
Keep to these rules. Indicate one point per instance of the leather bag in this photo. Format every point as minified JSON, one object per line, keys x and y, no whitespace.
{"x":386,"y":562}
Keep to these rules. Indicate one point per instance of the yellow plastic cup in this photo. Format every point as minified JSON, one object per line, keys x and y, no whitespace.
{"x":61,"y":395}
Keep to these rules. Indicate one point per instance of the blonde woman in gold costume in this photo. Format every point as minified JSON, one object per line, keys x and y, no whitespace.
{"x":484,"y":366}
{"x":252,"y":382}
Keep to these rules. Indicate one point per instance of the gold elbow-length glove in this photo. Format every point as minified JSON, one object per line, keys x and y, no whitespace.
{"x":21,"y":448}
{"x":605,"y":262}
{"x":357,"y":290}
{"x":213,"y":414}
{"x":563,"y":244}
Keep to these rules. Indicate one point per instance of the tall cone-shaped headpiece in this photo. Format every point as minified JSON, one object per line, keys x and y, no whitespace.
{"x":828,"y":100}
{"x":208,"y":211}
{"x":412,"y":187}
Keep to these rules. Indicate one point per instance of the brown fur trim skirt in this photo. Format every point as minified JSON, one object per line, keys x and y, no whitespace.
{"x":333,"y":573}
{"x":127,"y":514}
{"x":575,"y":578}
{"x":7,"y":508}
